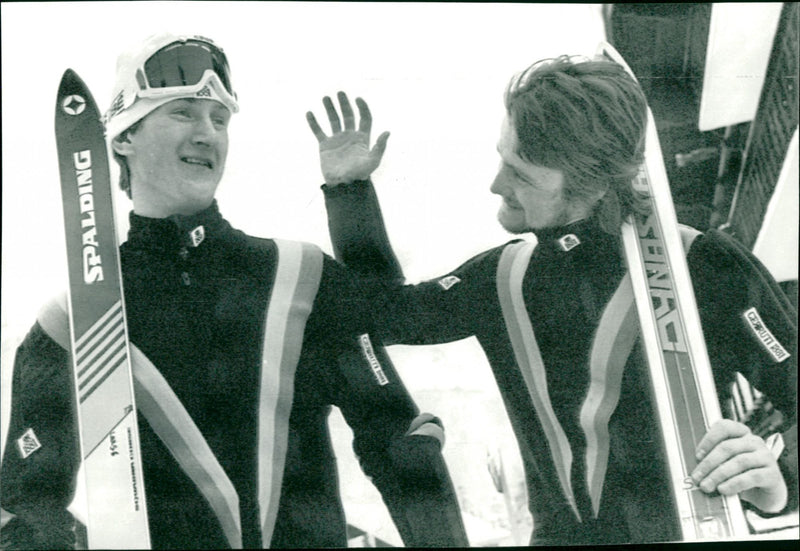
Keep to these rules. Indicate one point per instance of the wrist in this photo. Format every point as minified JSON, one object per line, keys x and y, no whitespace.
{"x":352,"y":186}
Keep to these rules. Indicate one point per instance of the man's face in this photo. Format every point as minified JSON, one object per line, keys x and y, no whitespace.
{"x":532,"y":195}
{"x":177,"y":157}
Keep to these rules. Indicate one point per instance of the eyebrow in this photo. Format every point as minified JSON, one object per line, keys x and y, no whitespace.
{"x":194,"y":101}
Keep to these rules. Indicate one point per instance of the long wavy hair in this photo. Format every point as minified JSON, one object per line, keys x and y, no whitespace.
{"x":586,"y":118}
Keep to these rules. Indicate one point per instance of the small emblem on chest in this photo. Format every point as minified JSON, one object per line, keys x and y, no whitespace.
{"x":569,"y":242}
{"x":197,"y":235}
{"x":448,"y":281}
{"x":28,"y":443}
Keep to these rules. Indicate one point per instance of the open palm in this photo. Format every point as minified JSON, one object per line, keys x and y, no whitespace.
{"x":345,"y":155}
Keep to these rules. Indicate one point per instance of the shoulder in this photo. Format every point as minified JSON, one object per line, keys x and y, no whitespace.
{"x":42,"y":357}
{"x":473,"y":279}
{"x":488,"y":260}
{"x":53,"y":320}
{"x":718,"y":251}
{"x":730,"y":281}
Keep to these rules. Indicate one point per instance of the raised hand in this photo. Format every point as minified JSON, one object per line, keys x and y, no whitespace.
{"x":345,"y":155}
{"x":733,"y":460}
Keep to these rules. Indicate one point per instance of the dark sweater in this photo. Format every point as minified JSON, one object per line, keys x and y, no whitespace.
{"x":565,"y":293}
{"x":197,"y":312}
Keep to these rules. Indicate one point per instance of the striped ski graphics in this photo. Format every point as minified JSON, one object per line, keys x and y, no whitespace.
{"x":684,"y":415}
{"x":100,"y":350}
{"x":612,"y":345}
{"x":679,"y":363}
{"x":685,"y":393}
{"x":296,"y":283}
{"x":510,"y":271}
{"x":98,"y":341}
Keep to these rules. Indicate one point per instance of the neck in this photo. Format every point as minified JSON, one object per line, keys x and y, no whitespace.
{"x":149,"y":207}
{"x":161,"y":211}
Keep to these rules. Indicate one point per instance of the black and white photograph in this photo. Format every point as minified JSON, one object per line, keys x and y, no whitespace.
{"x":402,"y":274}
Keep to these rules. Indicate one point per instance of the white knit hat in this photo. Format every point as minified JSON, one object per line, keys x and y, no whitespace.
{"x":133,"y":101}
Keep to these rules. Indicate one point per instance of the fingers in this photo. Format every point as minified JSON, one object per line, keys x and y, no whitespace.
{"x":737,"y":472}
{"x":365,"y":123}
{"x":753,"y":478}
{"x":315,"y":128}
{"x":720,"y":431}
{"x":347,"y":111}
{"x":348,"y":119}
{"x":333,"y":116}
{"x":724,"y":441}
{"x":380,"y":146}
{"x":732,"y":460}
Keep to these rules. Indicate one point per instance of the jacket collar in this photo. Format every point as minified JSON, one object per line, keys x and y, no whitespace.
{"x":177,"y":231}
{"x":576,"y":236}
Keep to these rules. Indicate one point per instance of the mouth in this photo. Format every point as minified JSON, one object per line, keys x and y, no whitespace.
{"x":198,"y":161}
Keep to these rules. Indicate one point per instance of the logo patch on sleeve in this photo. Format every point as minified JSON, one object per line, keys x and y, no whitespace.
{"x":374,"y":364}
{"x":28,"y":443}
{"x":448,"y":281}
{"x":764,"y":335}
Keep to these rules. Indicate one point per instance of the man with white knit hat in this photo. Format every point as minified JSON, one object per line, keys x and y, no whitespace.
{"x":144,"y":82}
{"x":254,"y":338}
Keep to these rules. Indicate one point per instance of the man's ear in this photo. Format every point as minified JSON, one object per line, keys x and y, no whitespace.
{"x":122,"y":145}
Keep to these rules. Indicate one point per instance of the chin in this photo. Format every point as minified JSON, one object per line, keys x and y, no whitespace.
{"x":511,"y":224}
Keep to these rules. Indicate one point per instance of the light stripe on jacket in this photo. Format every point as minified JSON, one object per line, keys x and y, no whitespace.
{"x":297,"y":278}
{"x":510,"y":272}
{"x":616,"y":334}
{"x":613,"y":342}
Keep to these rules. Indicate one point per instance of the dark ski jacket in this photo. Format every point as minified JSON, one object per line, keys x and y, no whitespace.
{"x":196,"y":309}
{"x":587,"y":432}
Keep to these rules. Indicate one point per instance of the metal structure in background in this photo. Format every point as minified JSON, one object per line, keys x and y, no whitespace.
{"x":720,"y":178}
{"x":770,"y":132}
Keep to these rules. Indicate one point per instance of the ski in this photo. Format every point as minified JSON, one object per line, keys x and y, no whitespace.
{"x":109,"y":438}
{"x":682,"y":380}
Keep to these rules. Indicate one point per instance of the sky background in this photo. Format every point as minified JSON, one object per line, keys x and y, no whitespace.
{"x":432,"y":74}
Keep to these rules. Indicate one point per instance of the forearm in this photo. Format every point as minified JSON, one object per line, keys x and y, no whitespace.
{"x":419,"y":493}
{"x":42,"y":455}
{"x":399,"y":449}
{"x":358,"y":232}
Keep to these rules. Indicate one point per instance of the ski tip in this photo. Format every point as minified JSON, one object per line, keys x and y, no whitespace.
{"x":608,"y":51}
{"x":73,"y":96}
{"x":70,"y":81}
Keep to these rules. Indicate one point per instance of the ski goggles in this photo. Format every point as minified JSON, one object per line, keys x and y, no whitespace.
{"x":185,"y":67}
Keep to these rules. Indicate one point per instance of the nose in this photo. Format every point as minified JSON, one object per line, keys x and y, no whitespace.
{"x":205,"y":131}
{"x":499,"y":185}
